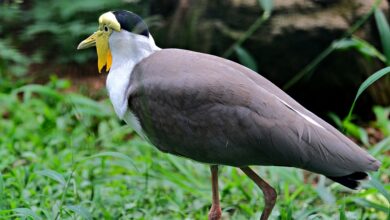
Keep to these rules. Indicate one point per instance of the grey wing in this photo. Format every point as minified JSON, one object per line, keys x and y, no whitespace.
{"x":198,"y":119}
{"x":210,"y":112}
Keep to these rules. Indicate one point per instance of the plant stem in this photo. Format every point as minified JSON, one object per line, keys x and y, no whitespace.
{"x":309,"y":67}
{"x":259,"y":21}
{"x":64,"y":194}
{"x":314,"y":63}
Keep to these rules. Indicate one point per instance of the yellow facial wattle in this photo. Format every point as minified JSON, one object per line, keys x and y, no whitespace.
{"x":100,"y":39}
{"x":103,"y":51}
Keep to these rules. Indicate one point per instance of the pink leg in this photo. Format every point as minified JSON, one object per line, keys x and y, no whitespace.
{"x":215,"y":211}
{"x":268,"y":191}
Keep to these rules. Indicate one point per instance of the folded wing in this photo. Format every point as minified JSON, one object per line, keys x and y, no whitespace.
{"x":216,"y":111}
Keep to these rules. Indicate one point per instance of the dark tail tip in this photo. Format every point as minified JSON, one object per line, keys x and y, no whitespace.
{"x":351,"y":181}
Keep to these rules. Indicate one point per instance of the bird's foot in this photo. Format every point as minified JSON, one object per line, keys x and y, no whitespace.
{"x":215,"y":212}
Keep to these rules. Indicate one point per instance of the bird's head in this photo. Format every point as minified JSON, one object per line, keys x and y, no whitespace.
{"x":122,"y":24}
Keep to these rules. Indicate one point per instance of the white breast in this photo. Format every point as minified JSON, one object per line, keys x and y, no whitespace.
{"x":127,"y":50}
{"x":118,"y":83}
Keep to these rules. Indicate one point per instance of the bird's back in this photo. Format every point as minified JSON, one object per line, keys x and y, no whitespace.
{"x":216,"y":111}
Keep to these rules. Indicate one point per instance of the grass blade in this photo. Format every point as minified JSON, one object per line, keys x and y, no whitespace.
{"x":382,"y":146}
{"x":111,"y":154}
{"x":342,"y":212}
{"x":336,"y":119}
{"x":368,"y":82}
{"x":324,"y":193}
{"x":382,"y":115}
{"x":117,"y":155}
{"x":266,"y":5}
{"x":368,"y":204}
{"x":81,"y":211}
{"x":2,"y":191}
{"x":38,"y":89}
{"x":307,"y":70}
{"x":25,"y":212}
{"x":378,"y":185}
{"x":356,"y":131}
{"x":384,"y":33}
{"x":52,"y":175}
{"x":246,"y":58}
{"x":362,"y":46}
{"x":85,"y":105}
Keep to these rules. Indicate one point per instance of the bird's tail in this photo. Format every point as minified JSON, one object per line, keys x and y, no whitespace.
{"x":351,"y":181}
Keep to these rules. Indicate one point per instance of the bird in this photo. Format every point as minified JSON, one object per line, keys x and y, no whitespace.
{"x":216,"y":111}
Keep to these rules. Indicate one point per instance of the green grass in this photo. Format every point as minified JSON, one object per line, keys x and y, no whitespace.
{"x":66,"y":156}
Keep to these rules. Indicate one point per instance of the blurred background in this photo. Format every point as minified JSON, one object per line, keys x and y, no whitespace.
{"x":38,"y":38}
{"x":58,"y":128}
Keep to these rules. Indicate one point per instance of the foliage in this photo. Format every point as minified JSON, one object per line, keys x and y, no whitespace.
{"x":243,"y":55}
{"x":384,"y":33}
{"x":41,"y":30}
{"x":368,"y":82}
{"x":67,"y":156}
{"x":364,"y":48}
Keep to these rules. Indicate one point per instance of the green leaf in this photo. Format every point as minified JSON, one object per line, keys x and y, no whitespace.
{"x":381,"y":147}
{"x":245,"y":58}
{"x":379,"y":186}
{"x":345,"y":43}
{"x":85,"y":105}
{"x":382,"y":122}
{"x":342,"y":212}
{"x":336,"y":119}
{"x":267,"y":5}
{"x":112,"y":154}
{"x":2,"y":191}
{"x":25,"y":212}
{"x":370,"y":80}
{"x":81,"y":211}
{"x":47,"y":27}
{"x":38,"y":89}
{"x":324,"y":193}
{"x":360,"y":45}
{"x":367,"y":204}
{"x":1,"y":185}
{"x":384,"y":33}
{"x":182,"y":169}
{"x":356,"y":131}
{"x":52,"y":175}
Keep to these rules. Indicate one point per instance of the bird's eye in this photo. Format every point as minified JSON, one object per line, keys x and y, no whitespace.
{"x":105,"y":28}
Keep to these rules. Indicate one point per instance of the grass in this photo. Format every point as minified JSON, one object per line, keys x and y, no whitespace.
{"x":65,"y":156}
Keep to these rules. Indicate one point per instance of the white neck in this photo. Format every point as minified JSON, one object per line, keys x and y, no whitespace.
{"x":127,"y":50}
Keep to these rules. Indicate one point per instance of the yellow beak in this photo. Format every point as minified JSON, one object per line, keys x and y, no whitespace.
{"x":100,"y":40}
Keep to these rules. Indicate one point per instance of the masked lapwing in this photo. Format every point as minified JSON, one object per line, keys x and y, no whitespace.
{"x":216,"y":111}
